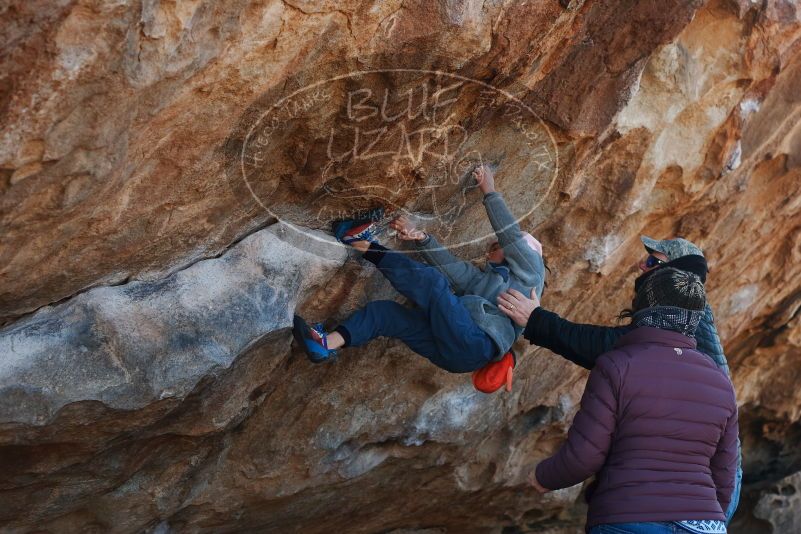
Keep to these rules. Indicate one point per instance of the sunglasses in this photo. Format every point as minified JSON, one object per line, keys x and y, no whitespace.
{"x":652,"y":261}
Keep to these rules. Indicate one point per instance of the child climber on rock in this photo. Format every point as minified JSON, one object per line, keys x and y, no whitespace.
{"x":459,"y":332}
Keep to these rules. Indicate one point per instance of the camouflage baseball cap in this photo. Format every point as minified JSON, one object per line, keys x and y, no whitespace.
{"x":672,"y":248}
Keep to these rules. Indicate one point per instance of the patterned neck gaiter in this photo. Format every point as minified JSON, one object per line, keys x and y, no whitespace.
{"x":669,"y":318}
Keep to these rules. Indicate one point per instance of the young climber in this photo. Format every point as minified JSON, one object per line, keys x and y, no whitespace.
{"x":459,"y":332}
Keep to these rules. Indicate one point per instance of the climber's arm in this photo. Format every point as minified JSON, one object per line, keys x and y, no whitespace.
{"x":458,"y":272}
{"x":525,"y":262}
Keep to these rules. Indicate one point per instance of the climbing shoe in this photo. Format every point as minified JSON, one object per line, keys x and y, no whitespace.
{"x":496,"y":374}
{"x":364,"y":227}
{"x":312,"y":339}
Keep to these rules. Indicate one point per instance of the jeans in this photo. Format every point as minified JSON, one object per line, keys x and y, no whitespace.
{"x":440,"y":328}
{"x":638,"y":528}
{"x":738,"y":484}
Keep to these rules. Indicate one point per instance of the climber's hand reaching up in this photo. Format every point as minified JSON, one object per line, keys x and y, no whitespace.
{"x":485,"y":179}
{"x":406,"y":229}
{"x":517,"y":306}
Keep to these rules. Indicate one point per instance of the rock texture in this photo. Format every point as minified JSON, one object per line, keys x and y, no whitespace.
{"x":130,"y":344}
{"x":780,"y":505}
{"x":159,"y":229}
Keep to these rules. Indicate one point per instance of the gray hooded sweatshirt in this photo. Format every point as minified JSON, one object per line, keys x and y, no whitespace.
{"x":478,"y":289}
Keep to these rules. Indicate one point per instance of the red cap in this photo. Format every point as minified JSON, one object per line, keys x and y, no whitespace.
{"x":495,"y":375}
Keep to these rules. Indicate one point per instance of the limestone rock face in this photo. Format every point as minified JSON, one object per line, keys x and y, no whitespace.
{"x":108,"y":344}
{"x":781,"y":505}
{"x":168,"y":172}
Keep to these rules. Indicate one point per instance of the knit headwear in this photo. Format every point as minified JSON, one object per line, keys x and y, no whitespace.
{"x":671,"y":287}
{"x":670,"y":299}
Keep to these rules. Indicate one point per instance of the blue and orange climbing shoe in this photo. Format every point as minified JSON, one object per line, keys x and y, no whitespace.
{"x":312,"y":339}
{"x":361,"y":228}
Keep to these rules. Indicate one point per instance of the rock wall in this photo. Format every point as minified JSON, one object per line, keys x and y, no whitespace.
{"x":166,"y":168}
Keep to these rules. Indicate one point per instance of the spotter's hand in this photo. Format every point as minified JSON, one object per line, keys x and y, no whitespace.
{"x":406,"y":230}
{"x":517,"y":306}
{"x":532,"y":479}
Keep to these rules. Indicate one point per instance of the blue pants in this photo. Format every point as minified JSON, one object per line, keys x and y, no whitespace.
{"x":639,"y":528}
{"x":738,"y":485}
{"x":440,"y":328}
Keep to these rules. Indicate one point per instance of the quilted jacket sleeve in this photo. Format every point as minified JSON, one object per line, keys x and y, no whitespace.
{"x":590,"y":435}
{"x":709,"y":341}
{"x":724,"y":462}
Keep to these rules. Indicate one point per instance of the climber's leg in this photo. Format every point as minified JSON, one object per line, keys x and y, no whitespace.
{"x":462,"y":345}
{"x":414,"y":280}
{"x":381,"y":318}
{"x":313,"y":340}
{"x":386,"y":318}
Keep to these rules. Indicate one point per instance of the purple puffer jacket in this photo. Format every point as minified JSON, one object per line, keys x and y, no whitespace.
{"x":658,"y":423}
